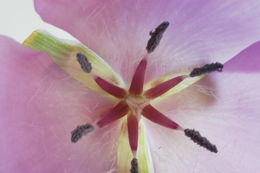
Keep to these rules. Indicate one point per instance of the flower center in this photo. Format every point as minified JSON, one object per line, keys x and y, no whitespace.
{"x":135,"y":102}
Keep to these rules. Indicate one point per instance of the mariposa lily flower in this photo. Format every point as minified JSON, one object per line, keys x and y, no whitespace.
{"x":138,"y":108}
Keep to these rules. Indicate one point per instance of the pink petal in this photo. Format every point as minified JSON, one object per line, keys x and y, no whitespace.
{"x":200,"y":31}
{"x":224,"y":107}
{"x":39,"y":107}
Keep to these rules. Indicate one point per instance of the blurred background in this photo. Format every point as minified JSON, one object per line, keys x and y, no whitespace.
{"x":18,"y":20}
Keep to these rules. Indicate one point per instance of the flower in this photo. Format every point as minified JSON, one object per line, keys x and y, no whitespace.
{"x":41,"y":105}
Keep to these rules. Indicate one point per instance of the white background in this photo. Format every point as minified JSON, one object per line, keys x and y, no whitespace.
{"x":18,"y":20}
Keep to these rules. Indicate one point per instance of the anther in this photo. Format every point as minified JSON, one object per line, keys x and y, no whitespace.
{"x":198,"y":139}
{"x":207,"y":69}
{"x":84,"y":63}
{"x":80,"y":131}
{"x":134,"y":166}
{"x":156,"y":36}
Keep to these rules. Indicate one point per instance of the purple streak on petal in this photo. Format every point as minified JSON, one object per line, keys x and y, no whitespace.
{"x":39,"y":106}
{"x":247,"y":61}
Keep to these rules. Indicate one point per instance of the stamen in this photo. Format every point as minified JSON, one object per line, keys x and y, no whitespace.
{"x":110,"y":88}
{"x":137,"y":83}
{"x":207,"y":69}
{"x":84,"y":63}
{"x":157,"y":117}
{"x":80,"y":131}
{"x":105,"y":85}
{"x":134,"y":166}
{"x":114,"y":114}
{"x":156,"y":36}
{"x":132,"y":124}
{"x":163,"y":87}
{"x":202,"y":141}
